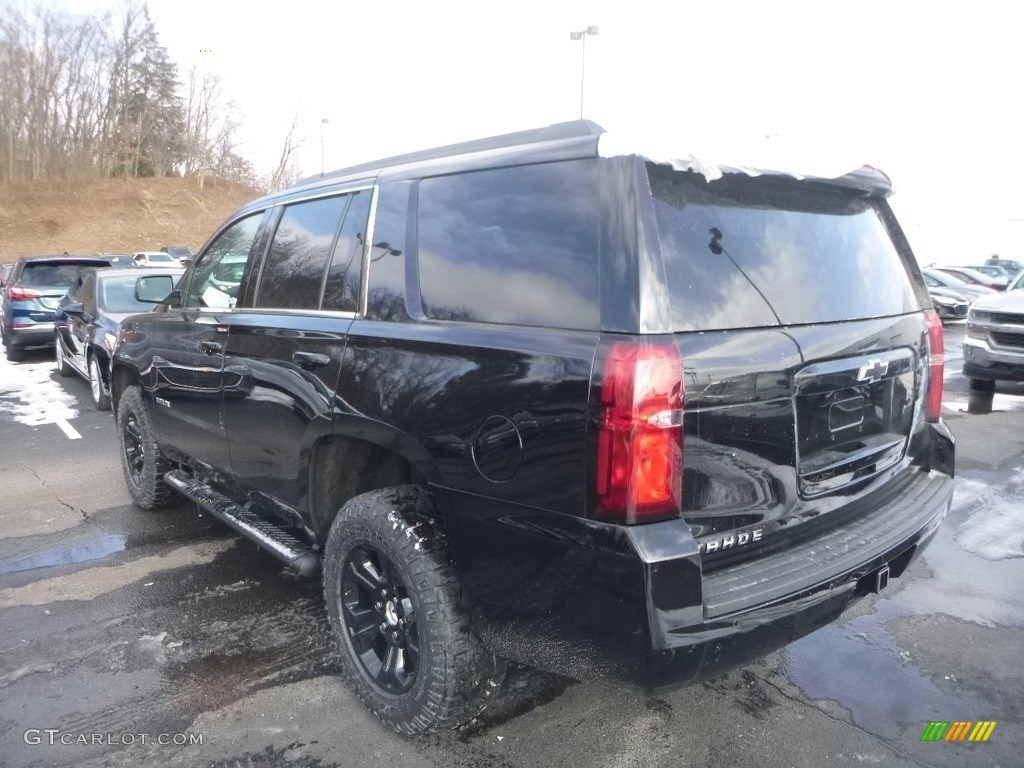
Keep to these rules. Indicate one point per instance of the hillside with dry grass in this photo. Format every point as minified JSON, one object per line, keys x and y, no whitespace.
{"x":113,"y":215}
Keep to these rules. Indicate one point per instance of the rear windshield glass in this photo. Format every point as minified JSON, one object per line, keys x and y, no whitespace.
{"x":51,"y":275}
{"x":744,"y":252}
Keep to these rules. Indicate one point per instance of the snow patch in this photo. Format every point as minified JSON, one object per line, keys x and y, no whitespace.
{"x":32,"y":397}
{"x":994,"y":528}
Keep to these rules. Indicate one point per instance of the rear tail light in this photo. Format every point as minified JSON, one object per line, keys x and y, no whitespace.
{"x":640,"y":439}
{"x":936,"y":367}
{"x":17,"y":293}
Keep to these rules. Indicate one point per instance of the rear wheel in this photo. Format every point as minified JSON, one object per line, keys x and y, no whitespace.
{"x":63,"y":369}
{"x":396,"y":612}
{"x":143,"y":464}
{"x":15,"y":354}
{"x":982,"y":385}
{"x":99,"y":397}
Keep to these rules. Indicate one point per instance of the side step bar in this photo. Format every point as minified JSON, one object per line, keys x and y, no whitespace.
{"x":285,"y":547}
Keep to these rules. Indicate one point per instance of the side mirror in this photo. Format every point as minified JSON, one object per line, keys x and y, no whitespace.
{"x":74,"y":308}
{"x":155,"y":289}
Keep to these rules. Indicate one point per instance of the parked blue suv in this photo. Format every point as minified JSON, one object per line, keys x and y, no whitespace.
{"x":31,"y":293}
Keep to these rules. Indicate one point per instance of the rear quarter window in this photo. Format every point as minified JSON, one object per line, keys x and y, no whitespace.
{"x":747,"y":252}
{"x":512,"y":245}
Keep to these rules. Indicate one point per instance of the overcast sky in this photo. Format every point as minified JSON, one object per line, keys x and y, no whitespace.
{"x":927,"y":93}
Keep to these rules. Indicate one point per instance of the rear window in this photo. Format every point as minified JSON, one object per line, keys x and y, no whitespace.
{"x":753,"y":251}
{"x":53,"y":275}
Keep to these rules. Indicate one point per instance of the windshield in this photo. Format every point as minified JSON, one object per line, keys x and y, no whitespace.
{"x":117,"y":294}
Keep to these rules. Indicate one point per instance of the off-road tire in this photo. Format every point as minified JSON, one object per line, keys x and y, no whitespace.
{"x":143,"y":464}
{"x":453,"y":673}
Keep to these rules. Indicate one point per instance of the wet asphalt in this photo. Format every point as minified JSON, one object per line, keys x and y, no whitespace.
{"x":130,"y":638}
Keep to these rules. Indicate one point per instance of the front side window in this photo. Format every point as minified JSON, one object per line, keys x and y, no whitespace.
{"x":88,"y":298}
{"x":511,"y":245}
{"x":218,"y":274}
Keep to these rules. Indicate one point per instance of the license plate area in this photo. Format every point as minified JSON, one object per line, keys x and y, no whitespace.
{"x":853,"y":419}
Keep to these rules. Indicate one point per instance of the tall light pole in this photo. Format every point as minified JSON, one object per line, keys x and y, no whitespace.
{"x":582,"y":37}
{"x":324,"y":121}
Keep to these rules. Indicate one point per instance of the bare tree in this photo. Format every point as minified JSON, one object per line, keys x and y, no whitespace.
{"x":287,"y":171}
{"x":80,"y":96}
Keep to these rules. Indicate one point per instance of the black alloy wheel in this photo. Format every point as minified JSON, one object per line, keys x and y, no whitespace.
{"x":381,"y":620}
{"x":134,"y":449}
{"x":143,"y":463}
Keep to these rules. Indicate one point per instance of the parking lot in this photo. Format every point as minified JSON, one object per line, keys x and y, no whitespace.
{"x":132,"y":638}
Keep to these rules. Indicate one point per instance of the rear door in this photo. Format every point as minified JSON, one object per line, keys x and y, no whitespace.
{"x":288,"y":341}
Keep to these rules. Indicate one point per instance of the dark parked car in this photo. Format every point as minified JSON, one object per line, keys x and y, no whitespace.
{"x":1012,"y":266}
{"x":87,"y":319}
{"x":527,"y":400}
{"x":33,"y":289}
{"x":994,"y":341}
{"x":948,"y":303}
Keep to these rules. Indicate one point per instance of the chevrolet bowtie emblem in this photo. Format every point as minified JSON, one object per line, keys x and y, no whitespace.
{"x":872,"y":371}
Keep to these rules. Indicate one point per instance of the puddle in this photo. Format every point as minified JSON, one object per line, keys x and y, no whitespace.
{"x":859,"y":666}
{"x":977,"y":566}
{"x":93,"y":549}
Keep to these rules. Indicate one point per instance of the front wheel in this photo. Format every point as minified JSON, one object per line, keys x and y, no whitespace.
{"x":396,"y":612}
{"x":143,"y":464}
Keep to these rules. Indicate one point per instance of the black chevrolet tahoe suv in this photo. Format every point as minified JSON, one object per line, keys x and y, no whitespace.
{"x":525,"y":399}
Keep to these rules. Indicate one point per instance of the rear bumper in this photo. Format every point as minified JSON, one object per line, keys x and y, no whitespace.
{"x":39,"y":335}
{"x":586,"y":599}
{"x":760,"y":605}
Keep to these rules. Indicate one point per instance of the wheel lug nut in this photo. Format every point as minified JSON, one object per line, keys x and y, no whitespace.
{"x":384,"y":627}
{"x":379,"y":606}
{"x":394,"y":636}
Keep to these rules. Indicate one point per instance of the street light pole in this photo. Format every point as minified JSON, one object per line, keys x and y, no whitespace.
{"x":324,"y":121}
{"x":582,"y":37}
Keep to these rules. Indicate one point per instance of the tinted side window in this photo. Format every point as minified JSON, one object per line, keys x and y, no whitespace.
{"x":511,"y":245}
{"x":218,"y":274}
{"x":341,"y":291}
{"x":294,"y":272}
{"x":88,"y":298}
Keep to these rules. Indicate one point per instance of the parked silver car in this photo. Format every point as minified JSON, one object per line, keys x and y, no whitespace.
{"x":994,"y":341}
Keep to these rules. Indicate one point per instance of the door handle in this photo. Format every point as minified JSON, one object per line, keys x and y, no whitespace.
{"x":310,"y":359}
{"x":210,"y":347}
